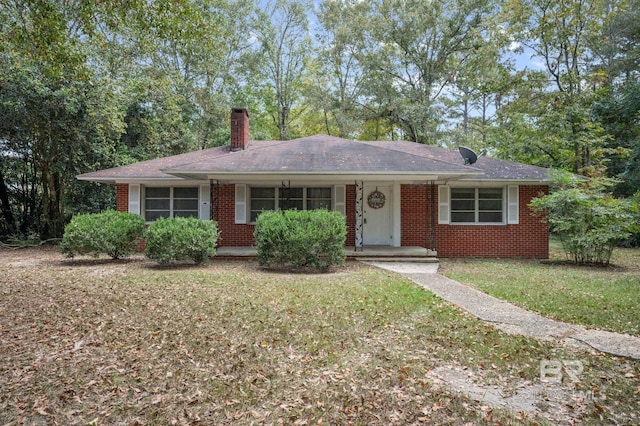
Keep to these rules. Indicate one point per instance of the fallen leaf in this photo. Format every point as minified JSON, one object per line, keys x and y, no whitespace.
{"x":78,"y":346}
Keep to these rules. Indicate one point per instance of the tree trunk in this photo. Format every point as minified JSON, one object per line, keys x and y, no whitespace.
{"x":52,"y":203}
{"x":5,"y":206}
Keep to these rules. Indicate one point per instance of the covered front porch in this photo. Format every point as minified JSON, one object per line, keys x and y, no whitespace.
{"x":367,"y":251}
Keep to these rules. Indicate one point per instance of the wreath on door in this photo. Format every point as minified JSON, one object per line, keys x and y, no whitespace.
{"x":376,"y":199}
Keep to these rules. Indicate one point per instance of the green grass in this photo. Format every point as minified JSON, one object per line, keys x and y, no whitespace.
{"x":227,"y":343}
{"x":597,"y":297}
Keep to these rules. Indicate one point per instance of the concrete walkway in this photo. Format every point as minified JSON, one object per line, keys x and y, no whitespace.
{"x":508,"y":317}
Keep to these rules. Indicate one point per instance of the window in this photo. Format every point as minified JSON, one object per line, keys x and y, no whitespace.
{"x":270,"y":198}
{"x":170,"y":202}
{"x":291,"y":198}
{"x":477,"y":205}
{"x":261,"y":199}
{"x":318,"y":198}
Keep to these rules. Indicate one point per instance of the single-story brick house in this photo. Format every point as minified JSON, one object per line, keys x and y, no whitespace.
{"x":393,"y":193}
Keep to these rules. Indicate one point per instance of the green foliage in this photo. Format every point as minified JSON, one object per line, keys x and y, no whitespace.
{"x":181,"y":238}
{"x":91,"y":85}
{"x":282,"y":33}
{"x":619,"y":111}
{"x":301,"y":239}
{"x":634,"y":239}
{"x":589,"y":222}
{"x":50,"y":129}
{"x":413,"y":50}
{"x":113,"y":233}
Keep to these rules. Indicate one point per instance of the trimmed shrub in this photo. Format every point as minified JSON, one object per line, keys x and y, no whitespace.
{"x":181,"y":238}
{"x":295,"y":240}
{"x":110,"y":232}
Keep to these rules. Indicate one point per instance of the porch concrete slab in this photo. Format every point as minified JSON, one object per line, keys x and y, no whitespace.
{"x":388,"y":251}
{"x":385,"y":252}
{"x":510,"y":318}
{"x":236,"y":252}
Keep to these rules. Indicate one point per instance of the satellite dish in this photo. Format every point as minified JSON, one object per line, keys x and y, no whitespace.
{"x":468,"y":155}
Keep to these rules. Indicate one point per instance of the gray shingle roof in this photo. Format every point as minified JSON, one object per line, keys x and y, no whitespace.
{"x":321,"y":154}
{"x":491,"y":168}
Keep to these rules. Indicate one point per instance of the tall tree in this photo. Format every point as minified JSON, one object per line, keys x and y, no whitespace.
{"x":283,"y":49}
{"x":340,"y":80}
{"x":192,"y":51}
{"x":413,"y":50}
{"x":57,"y":126}
{"x":617,"y":53}
{"x":558,"y":34}
{"x":619,"y":112}
{"x":55,"y":114}
{"x":616,"y":48}
{"x":479,"y":88}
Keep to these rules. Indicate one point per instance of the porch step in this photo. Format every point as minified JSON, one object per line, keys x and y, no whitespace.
{"x":380,"y":252}
{"x":400,"y":259}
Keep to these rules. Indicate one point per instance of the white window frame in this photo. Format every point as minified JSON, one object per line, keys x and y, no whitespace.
{"x":331,"y":205}
{"x":143,"y":199}
{"x":476,"y":210}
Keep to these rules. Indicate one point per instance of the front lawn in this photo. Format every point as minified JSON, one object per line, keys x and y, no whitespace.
{"x":600,"y":297}
{"x":101,"y":342}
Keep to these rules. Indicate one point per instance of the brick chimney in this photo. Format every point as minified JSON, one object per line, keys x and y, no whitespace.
{"x":239,"y":129}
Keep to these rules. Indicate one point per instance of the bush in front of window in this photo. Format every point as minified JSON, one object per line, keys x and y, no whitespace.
{"x":113,"y":233}
{"x":298,"y":240}
{"x":181,"y":238}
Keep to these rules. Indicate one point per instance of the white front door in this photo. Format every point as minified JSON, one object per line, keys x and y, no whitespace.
{"x":377,"y":229}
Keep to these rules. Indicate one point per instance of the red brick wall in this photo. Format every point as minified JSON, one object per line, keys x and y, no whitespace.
{"x":413,"y":224}
{"x":231,"y":234}
{"x":530,"y":238}
{"x":122,"y":197}
{"x":239,"y":128}
{"x":527,"y":239}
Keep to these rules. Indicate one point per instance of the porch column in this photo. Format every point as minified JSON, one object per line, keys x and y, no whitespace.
{"x":359,"y":215}
{"x":433,"y":215}
{"x":214,"y":196}
{"x":396,"y":215}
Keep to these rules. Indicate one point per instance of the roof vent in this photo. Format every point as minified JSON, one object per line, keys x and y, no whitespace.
{"x":469,"y":156}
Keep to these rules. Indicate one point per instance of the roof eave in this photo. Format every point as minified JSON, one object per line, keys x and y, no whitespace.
{"x":96,"y":179}
{"x":118,"y":179}
{"x":511,"y":180}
